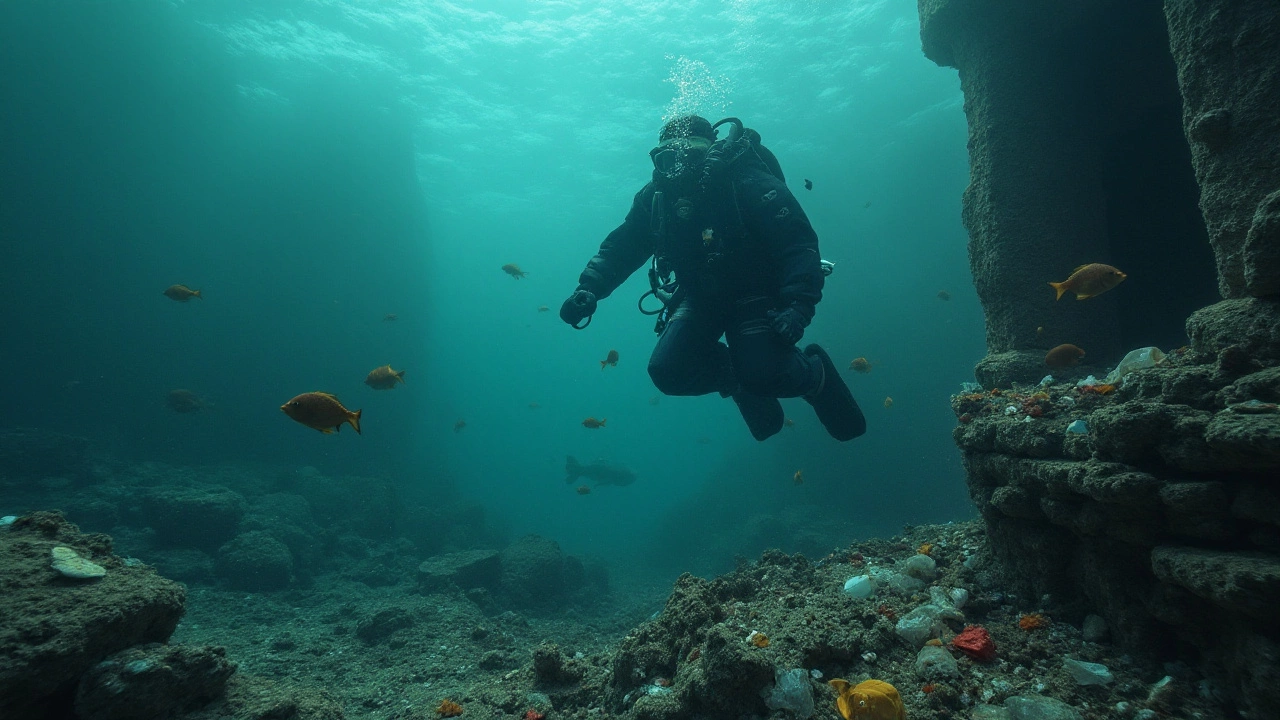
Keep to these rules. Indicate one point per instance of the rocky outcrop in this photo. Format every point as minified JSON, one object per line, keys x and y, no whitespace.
{"x":54,"y":628}
{"x":1229,"y":76}
{"x":152,"y":681}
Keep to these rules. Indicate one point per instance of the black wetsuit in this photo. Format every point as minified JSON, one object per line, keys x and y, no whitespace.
{"x":761,"y":254}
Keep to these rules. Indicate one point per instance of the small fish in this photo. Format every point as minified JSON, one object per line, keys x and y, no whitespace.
{"x":583,"y":489}
{"x":654,"y":400}
{"x":1089,"y":280}
{"x":184,"y":401}
{"x":459,"y":424}
{"x":610,"y":359}
{"x":1063,"y":356}
{"x":944,"y":295}
{"x":860,"y":364}
{"x":513,"y":270}
{"x":592,"y":423}
{"x":788,"y":422}
{"x":321,"y":411}
{"x":543,"y":308}
{"x":808,"y":184}
{"x":598,"y":472}
{"x":383,"y":378}
{"x":534,"y":406}
{"x":389,"y":317}
{"x":181,"y":293}
{"x":866,"y":205}
{"x":798,"y":478}
{"x":888,"y":403}
{"x":708,"y":237}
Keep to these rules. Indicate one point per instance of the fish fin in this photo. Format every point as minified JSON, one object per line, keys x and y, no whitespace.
{"x":328,"y":431}
{"x":602,"y":420}
{"x":1060,"y":287}
{"x":1082,"y":297}
{"x":354,"y":419}
{"x":400,"y":376}
{"x":603,"y":363}
{"x":197,"y":294}
{"x":1080,"y":267}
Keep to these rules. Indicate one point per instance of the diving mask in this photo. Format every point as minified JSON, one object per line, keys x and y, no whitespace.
{"x":676,"y":154}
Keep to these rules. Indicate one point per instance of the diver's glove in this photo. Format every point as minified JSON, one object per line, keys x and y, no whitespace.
{"x":789,"y":324}
{"x":580,"y":305}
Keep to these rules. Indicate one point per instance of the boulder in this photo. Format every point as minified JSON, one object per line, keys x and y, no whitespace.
{"x":54,"y":628}
{"x":467,"y":569}
{"x":152,"y":681}
{"x":255,"y":561}
{"x":199,"y":516}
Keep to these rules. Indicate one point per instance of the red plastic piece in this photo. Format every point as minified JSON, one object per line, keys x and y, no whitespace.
{"x":533,"y":715}
{"x":975,"y":642}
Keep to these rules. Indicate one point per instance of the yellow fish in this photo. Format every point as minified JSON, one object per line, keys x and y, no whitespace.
{"x":871,"y":699}
{"x":888,"y":403}
{"x":321,"y":411}
{"x":383,"y":378}
{"x":181,"y":293}
{"x":860,"y":364}
{"x":1089,"y":280}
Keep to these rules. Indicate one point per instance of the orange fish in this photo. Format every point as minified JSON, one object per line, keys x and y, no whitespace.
{"x":860,"y":364}
{"x":459,"y":424}
{"x":871,"y":699}
{"x":593,"y":423}
{"x":383,"y":378}
{"x":888,"y":403}
{"x":321,"y":411}
{"x":1089,"y":280}
{"x":583,"y":489}
{"x":513,"y":270}
{"x":1063,"y":356}
{"x":181,"y":293}
{"x":184,"y":401}
{"x":798,"y":478}
{"x":610,"y":359}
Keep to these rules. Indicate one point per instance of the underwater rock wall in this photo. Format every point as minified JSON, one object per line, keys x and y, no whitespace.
{"x":1161,"y":515}
{"x":1230,"y":79}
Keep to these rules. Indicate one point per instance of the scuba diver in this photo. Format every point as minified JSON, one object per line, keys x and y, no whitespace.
{"x":733,"y":256}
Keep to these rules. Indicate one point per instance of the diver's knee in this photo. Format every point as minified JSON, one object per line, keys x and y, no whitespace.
{"x":668,"y":377}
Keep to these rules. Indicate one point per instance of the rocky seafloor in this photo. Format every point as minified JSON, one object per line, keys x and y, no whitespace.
{"x":758,"y":642}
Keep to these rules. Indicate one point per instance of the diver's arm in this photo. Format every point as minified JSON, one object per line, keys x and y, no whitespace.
{"x":622,"y":252}
{"x":790,"y":239}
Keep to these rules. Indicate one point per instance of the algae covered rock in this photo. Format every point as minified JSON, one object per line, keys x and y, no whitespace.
{"x":152,"y":681}
{"x":201,"y":516}
{"x":53,"y":629}
{"x":255,"y":561}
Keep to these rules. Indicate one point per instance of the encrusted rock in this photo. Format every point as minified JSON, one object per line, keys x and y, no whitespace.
{"x":255,"y":561}
{"x":52,"y":632}
{"x":1244,"y":441}
{"x":1247,"y":583}
{"x":1198,"y":510}
{"x":152,"y":681}
{"x":382,"y":624}
{"x":467,"y":569}
{"x":202,"y":516}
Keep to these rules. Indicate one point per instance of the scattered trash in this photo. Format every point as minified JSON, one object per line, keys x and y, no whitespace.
{"x":1254,"y":407}
{"x":933,"y":662}
{"x":790,"y":691}
{"x":1046,"y":381}
{"x":975,"y":642}
{"x":1087,"y":673}
{"x":1078,"y":427}
{"x":859,"y":586}
{"x":1140,"y":359}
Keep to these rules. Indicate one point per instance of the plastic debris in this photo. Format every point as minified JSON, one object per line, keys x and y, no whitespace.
{"x":790,"y":691}
{"x":1254,"y":407}
{"x":975,"y":642}
{"x":925,"y":622}
{"x":859,"y":586}
{"x":1011,"y":410}
{"x":933,"y":662}
{"x":958,"y":597}
{"x":1095,"y":628}
{"x":1078,"y":427}
{"x":7,"y":520}
{"x":1046,"y":381}
{"x":921,"y":566}
{"x":1039,"y":707}
{"x":1140,"y":359}
{"x":968,"y":388}
{"x":1091,"y":380}
{"x":904,"y":584}
{"x":868,"y":657}
{"x":1087,"y":673}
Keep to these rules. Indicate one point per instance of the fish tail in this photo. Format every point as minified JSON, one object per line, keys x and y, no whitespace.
{"x":603,"y":363}
{"x":354,"y":419}
{"x":197,"y":294}
{"x":602,"y":420}
{"x":1060,"y":287}
{"x":400,"y":376}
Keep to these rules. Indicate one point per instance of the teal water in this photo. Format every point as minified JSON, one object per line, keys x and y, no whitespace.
{"x":314,"y":166}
